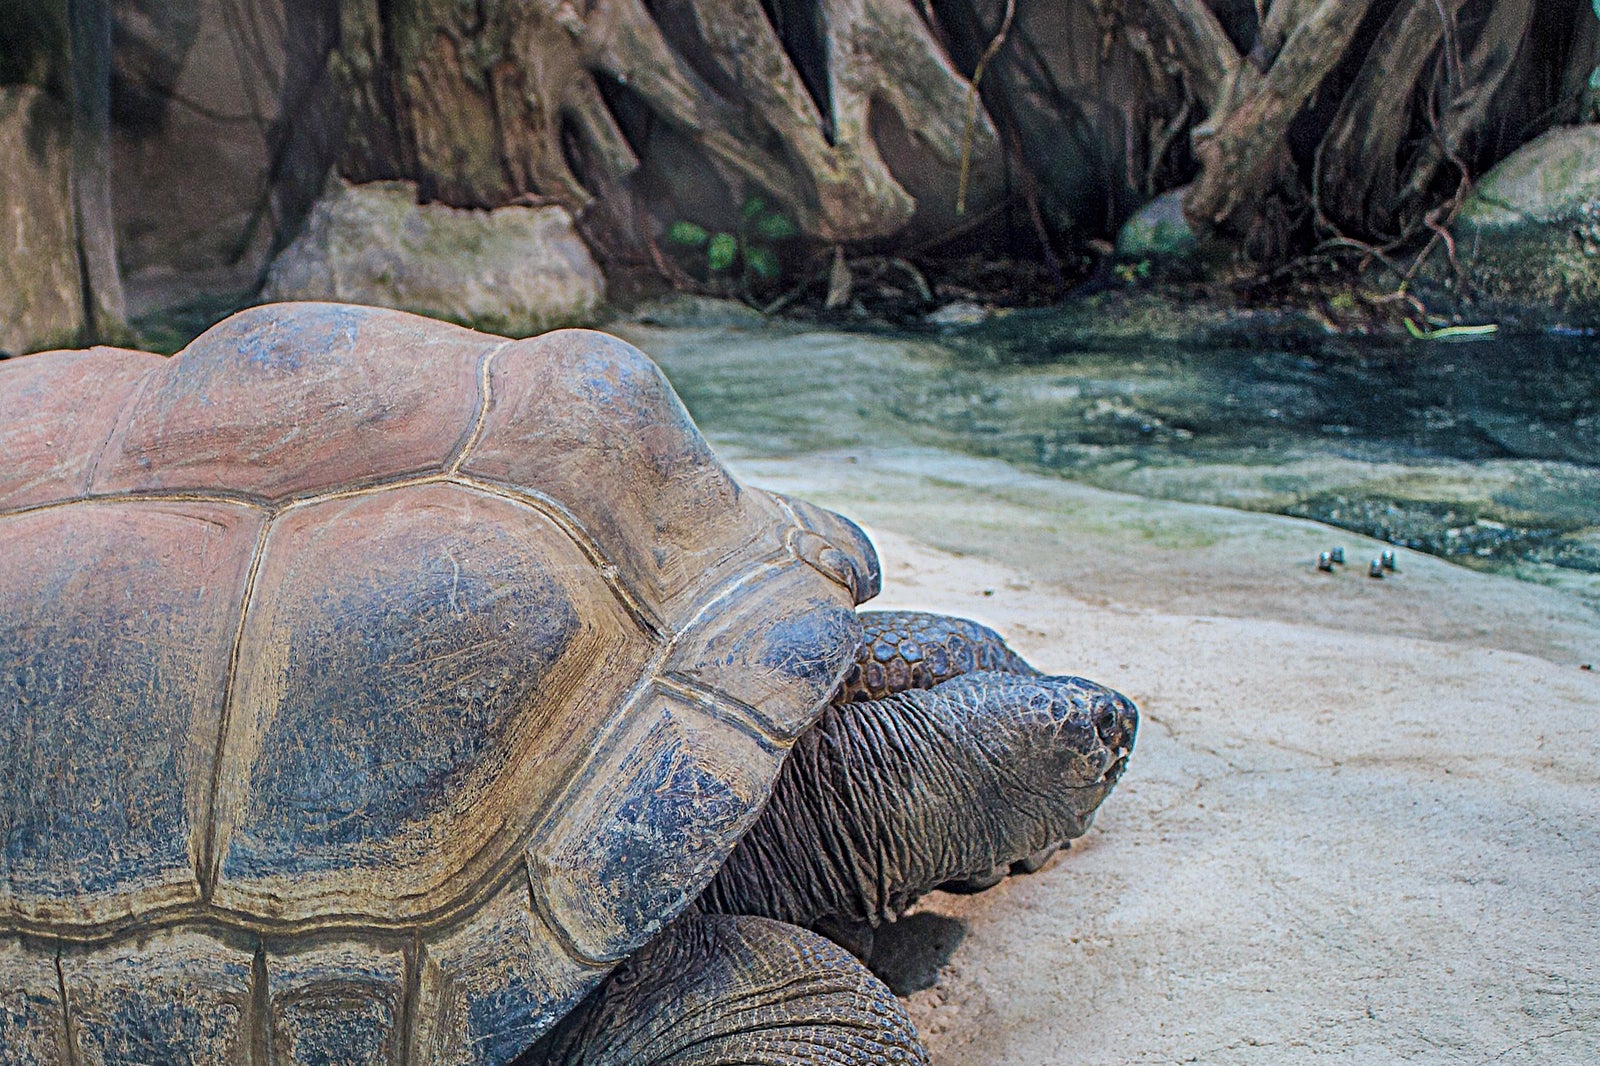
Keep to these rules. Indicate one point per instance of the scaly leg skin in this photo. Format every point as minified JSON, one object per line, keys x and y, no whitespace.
{"x":722,"y":990}
{"x":903,"y":650}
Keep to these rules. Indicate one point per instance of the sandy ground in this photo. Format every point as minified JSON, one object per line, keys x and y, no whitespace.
{"x":1362,"y":821}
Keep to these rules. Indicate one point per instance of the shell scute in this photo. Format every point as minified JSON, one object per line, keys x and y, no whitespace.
{"x":178,"y":996}
{"x":775,"y":644}
{"x":33,"y":1025}
{"x":589,"y":421}
{"x":339,"y":1004}
{"x":420,"y":668}
{"x":286,"y":400}
{"x":665,"y":805}
{"x":57,"y":411}
{"x":116,"y":626}
{"x":490,"y":988}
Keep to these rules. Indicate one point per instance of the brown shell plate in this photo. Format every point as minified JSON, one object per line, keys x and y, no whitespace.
{"x":374,"y":684}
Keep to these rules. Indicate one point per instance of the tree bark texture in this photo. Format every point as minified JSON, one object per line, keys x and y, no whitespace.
{"x":1090,"y":105}
{"x":59,"y":251}
{"x":1208,"y":58}
{"x":851,"y":116}
{"x":503,"y":100}
{"x":1360,"y":157}
{"x":1579,"y":86}
{"x":1245,"y":165}
{"x":1375,"y":108}
{"x":89,"y":33}
{"x":1482,"y":74}
{"x":41,"y":281}
{"x":226,"y":128}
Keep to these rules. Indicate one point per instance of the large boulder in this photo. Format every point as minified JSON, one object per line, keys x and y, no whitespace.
{"x":1158,"y":229}
{"x":513,"y":270}
{"x":41,"y":295}
{"x":1528,"y":238}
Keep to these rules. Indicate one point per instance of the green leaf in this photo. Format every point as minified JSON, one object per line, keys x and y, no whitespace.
{"x":762,"y":261}
{"x":1594,"y":77}
{"x":687,"y":234}
{"x":1445,"y":333}
{"x":723,"y":251}
{"x":775,"y":227}
{"x":752,"y":207}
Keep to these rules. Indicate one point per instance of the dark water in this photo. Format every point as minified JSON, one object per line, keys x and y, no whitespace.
{"x":1486,"y":452}
{"x":1532,"y":397}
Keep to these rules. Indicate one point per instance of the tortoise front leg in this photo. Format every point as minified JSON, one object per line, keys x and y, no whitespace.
{"x":723,"y":990}
{"x":903,"y":650}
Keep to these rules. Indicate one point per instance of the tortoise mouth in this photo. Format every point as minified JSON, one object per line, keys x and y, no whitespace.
{"x":1113,"y":774}
{"x":1101,"y":785}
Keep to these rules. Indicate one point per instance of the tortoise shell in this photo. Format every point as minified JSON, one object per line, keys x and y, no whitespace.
{"x":375,"y":685}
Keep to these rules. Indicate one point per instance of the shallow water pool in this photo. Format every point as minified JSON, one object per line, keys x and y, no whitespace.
{"x":1486,"y":452}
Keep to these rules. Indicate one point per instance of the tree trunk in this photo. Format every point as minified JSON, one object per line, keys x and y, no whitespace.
{"x":1580,"y":88}
{"x":1359,"y":161}
{"x":89,"y":23}
{"x":1209,"y":60}
{"x":41,"y":283}
{"x":1467,"y":110}
{"x":850,"y":116}
{"x":508,"y":100}
{"x":1248,"y":189}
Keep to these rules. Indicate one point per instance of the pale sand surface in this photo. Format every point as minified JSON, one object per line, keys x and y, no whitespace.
{"x":1362,"y":822}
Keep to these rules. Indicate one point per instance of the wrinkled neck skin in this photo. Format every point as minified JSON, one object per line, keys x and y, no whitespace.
{"x":884,"y":800}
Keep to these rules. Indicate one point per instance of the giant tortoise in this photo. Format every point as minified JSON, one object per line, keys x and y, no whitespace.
{"x":380,"y":691}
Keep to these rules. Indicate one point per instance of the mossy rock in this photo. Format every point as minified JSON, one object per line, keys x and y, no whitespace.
{"x":1528,"y":238}
{"x":1158,"y":230}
